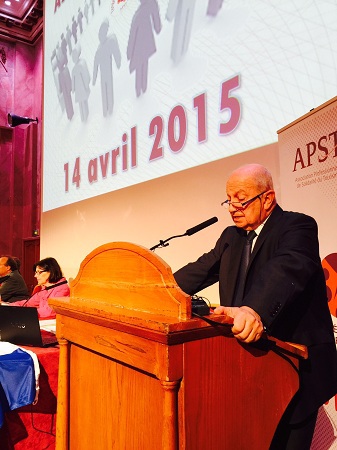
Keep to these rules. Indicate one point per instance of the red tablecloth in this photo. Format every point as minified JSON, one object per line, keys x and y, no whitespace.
{"x":33,"y":427}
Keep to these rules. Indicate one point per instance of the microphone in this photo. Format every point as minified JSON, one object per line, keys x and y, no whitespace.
{"x":24,"y":304}
{"x":201,"y":226}
{"x":188,"y":232}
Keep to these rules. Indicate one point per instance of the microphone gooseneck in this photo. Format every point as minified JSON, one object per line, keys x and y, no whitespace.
{"x":188,"y":232}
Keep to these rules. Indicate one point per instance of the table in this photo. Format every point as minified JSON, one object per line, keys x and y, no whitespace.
{"x":33,"y":427}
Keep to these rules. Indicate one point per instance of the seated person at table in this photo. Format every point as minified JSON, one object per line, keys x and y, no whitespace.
{"x":18,"y":262}
{"x":12,"y":285}
{"x":52,"y":283}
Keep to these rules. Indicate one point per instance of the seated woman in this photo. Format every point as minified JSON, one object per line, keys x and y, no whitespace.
{"x":50,"y":279}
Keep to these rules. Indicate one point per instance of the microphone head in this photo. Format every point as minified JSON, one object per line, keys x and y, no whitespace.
{"x":201,"y":226}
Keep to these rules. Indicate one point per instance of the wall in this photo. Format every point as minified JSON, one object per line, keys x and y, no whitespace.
{"x":20,"y":147}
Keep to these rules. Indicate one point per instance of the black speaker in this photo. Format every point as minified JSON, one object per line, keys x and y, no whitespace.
{"x":14,"y":120}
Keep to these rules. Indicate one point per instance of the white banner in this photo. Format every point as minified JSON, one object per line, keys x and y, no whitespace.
{"x":308,"y":181}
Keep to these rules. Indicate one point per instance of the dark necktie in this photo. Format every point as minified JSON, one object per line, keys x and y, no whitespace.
{"x":247,"y":249}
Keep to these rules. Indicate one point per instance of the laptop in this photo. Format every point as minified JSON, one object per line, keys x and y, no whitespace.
{"x":20,"y":325}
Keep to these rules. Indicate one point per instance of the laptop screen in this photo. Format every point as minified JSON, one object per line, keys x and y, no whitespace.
{"x":20,"y":325}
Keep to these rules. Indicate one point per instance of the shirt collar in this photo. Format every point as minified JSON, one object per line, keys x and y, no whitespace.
{"x":259,"y":228}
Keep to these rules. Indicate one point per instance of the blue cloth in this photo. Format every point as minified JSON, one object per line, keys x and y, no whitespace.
{"x":17,"y":381}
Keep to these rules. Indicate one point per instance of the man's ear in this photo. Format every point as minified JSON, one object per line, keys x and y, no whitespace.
{"x":269,"y":200}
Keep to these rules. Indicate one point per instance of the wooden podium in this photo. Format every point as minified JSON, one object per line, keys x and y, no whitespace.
{"x":138,"y":372}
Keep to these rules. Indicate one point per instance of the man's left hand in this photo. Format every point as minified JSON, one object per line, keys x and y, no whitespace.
{"x":247,"y":326}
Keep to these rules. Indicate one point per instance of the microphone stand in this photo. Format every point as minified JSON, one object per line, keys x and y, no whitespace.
{"x":165,"y":242}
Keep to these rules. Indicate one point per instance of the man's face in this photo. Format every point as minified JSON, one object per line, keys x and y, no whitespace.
{"x":250,"y":216}
{"x":4,"y":270}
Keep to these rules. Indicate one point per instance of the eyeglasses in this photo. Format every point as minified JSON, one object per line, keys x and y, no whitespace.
{"x":38,"y":272}
{"x":241,"y":205}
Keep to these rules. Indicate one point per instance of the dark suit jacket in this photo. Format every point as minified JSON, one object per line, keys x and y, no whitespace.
{"x":13,"y":287}
{"x":285,"y":285}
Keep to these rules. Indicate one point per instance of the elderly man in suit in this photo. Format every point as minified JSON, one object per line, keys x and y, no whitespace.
{"x":281,"y":291}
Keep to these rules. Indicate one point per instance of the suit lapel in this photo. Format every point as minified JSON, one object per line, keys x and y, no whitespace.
{"x":271,"y":223}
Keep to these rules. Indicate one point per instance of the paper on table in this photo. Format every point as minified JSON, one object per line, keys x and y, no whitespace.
{"x":48,"y":325}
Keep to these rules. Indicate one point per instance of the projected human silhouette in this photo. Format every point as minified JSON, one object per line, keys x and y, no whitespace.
{"x":107,"y":49}
{"x":55,"y":69}
{"x":65,"y":84}
{"x":68,"y":38}
{"x":214,"y":7}
{"x":182,"y":12}
{"x":86,"y":11}
{"x":74,"y":29}
{"x":64,"y":47}
{"x":92,"y":7}
{"x":141,"y":44}
{"x":80,"y":82}
{"x":80,"y":20}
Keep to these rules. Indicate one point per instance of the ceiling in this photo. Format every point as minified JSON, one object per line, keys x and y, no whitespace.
{"x":21,"y":20}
